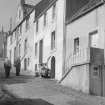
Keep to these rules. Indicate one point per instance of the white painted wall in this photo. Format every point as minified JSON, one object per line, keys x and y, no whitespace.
{"x":79,"y":78}
{"x":45,"y":34}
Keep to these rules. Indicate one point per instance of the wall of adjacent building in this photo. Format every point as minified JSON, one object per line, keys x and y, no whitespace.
{"x":81,"y":28}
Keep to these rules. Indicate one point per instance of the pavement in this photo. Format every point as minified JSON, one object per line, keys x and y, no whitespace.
{"x":29,"y":90}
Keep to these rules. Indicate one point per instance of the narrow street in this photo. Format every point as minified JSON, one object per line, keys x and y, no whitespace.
{"x":29,"y":90}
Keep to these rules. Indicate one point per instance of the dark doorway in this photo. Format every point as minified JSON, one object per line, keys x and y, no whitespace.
{"x":53,"y":67}
{"x":96,"y":71}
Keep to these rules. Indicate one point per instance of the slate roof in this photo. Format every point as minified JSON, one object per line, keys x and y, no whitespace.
{"x":39,"y":5}
{"x":92,"y":4}
{"x":42,"y":6}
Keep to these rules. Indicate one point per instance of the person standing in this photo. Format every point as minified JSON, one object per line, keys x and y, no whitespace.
{"x":18,"y":66}
{"x":7,"y":67}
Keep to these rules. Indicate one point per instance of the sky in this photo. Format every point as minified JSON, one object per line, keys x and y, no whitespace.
{"x":8,"y":9}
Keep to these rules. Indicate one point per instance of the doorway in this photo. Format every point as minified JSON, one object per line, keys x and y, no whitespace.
{"x":96,"y":71}
{"x":53,"y":67}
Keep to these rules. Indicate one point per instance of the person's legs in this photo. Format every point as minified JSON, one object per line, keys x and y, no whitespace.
{"x":7,"y":72}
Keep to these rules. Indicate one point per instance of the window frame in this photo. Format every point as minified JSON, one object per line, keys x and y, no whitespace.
{"x":37,"y":26}
{"x":53,"y":40}
{"x":45,"y":18}
{"x":53,"y":11}
{"x":76,"y":45}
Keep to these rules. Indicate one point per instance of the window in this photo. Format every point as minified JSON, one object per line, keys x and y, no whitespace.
{"x":20,"y":28}
{"x":76,"y":45}
{"x":25,"y":46}
{"x":54,"y":11}
{"x":27,"y":23}
{"x":52,"y":40}
{"x":37,"y":25}
{"x":94,"y":36}
{"x":36,"y":45}
{"x":45,"y":19}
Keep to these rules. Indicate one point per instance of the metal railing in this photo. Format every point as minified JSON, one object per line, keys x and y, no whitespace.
{"x":80,"y":57}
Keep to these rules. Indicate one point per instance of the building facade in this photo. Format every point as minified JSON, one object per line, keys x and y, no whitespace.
{"x":49,"y":28}
{"x":68,"y":36}
{"x":3,"y":43}
{"x":38,"y":36}
{"x":84,"y":48}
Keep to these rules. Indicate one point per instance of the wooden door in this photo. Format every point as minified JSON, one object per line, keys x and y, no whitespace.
{"x":96,"y":87}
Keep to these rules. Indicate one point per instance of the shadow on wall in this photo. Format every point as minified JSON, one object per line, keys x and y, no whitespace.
{"x":24,"y":102}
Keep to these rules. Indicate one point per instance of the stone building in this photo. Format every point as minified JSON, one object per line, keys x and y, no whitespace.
{"x":84,"y":46}
{"x":68,"y":35}
{"x":49,"y":28}
{"x":38,"y":36}
{"x":3,"y":43}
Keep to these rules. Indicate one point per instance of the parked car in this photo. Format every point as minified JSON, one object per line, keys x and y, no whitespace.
{"x":45,"y":72}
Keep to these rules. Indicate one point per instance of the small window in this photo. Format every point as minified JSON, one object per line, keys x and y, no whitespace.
{"x":20,"y":28}
{"x":54,"y":11}
{"x":27,"y":23}
{"x":25,"y":46}
{"x":53,"y":40}
{"x":45,"y":19}
{"x":76,"y":45}
{"x":94,"y":39}
{"x":37,"y":25}
{"x":36,"y":45}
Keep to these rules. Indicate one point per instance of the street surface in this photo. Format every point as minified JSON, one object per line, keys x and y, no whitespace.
{"x":29,"y":90}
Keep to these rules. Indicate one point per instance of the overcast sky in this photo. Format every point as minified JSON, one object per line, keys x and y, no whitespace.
{"x":8,"y":8}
